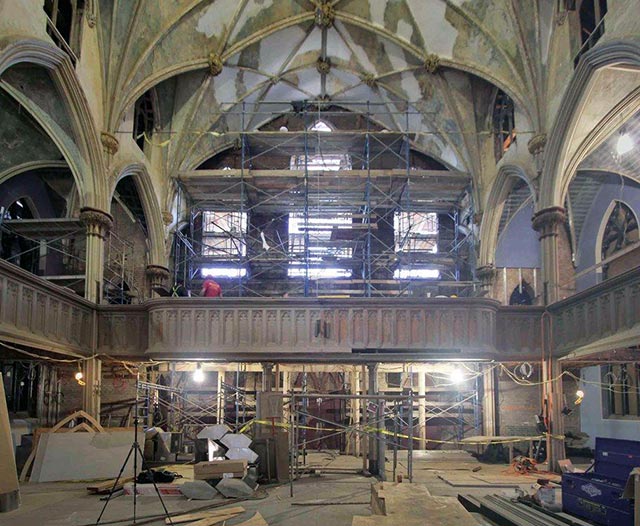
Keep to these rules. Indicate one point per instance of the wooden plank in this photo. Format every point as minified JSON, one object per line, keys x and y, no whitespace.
{"x":187,"y":517}
{"x":256,"y":520}
{"x":211,"y":521}
{"x":107,"y":485}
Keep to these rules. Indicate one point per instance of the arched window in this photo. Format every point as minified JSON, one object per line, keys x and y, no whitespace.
{"x":143,"y":118}
{"x":64,"y":24}
{"x":321,"y":155}
{"x":620,"y":231}
{"x":503,"y":123}
{"x":591,"y":14}
{"x":523,"y":294}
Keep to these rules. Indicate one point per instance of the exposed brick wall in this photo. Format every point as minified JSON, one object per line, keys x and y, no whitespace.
{"x":131,"y":232}
{"x":501,"y":292}
{"x":518,"y":405}
{"x":566,"y":271}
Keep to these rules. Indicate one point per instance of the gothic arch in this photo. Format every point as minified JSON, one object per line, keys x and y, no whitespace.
{"x":500,"y":190}
{"x":153,"y":215}
{"x":83,"y":151}
{"x":563,"y":152}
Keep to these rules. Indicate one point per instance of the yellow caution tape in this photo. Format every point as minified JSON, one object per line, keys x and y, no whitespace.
{"x":370,"y":429}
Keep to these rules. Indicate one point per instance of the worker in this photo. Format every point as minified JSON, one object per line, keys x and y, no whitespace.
{"x":211,"y":289}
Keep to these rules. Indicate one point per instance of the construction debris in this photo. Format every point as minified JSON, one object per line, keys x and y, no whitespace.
{"x":234,"y":488}
{"x":412,"y":505}
{"x":198,"y":490}
{"x":226,"y":513}
{"x":215,"y":432}
{"x":105,"y":487}
{"x":218,"y":469}
{"x":81,"y":456}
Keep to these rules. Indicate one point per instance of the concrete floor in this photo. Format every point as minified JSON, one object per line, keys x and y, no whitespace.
{"x":67,"y":504}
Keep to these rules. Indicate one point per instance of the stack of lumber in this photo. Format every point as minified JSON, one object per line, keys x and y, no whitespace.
{"x":412,"y":505}
{"x":217,"y":516}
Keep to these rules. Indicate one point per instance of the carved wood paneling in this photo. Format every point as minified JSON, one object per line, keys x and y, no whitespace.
{"x":604,"y":311}
{"x":38,"y":314}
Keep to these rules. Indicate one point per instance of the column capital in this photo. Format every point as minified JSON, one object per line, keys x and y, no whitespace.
{"x":547,"y":221}
{"x":98,"y":222}
{"x":157,"y":274}
{"x":486,"y":273}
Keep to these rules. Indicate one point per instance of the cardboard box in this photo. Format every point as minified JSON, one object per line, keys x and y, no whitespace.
{"x":218,"y":469}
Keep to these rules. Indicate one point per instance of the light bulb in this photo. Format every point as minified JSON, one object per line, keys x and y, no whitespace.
{"x":198,"y":374}
{"x":79,"y":375}
{"x":456,"y":376}
{"x":580,"y":393}
{"x":624,"y":144}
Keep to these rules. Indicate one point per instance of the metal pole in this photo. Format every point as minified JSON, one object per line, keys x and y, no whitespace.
{"x":410,"y":452}
{"x":395,"y":439}
{"x":242,"y":197}
{"x":291,"y":440}
{"x":306,"y":204}
{"x":367,"y":255}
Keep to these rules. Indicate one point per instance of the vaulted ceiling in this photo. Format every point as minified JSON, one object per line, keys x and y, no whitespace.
{"x":428,"y":67}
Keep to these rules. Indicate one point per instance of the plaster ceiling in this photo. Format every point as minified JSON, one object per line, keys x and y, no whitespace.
{"x":269,"y":51}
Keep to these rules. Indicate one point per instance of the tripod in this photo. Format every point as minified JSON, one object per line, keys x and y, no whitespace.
{"x":135,"y":450}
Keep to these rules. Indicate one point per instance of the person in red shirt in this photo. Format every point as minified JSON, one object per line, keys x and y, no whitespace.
{"x":211,"y":289}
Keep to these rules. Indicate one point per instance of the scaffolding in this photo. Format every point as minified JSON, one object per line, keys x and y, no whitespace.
{"x":321,"y":201}
{"x":55,"y":249}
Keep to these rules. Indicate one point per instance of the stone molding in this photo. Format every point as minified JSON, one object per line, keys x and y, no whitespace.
{"x":431,"y":62}
{"x":215,"y":64}
{"x":98,"y":223}
{"x":157,"y":274}
{"x":486,"y":274}
{"x":109,"y":142}
{"x":547,"y":221}
{"x":325,"y":14}
{"x":323,"y":65}
{"x":537,"y":143}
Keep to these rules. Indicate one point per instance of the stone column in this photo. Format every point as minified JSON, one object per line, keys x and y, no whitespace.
{"x":555,"y":402}
{"x":157,"y":276}
{"x":91,"y":393}
{"x":374,"y":453}
{"x":267,"y":377}
{"x":98,"y":224}
{"x":548,"y":223}
{"x":488,"y":401}
{"x":422,"y":409}
{"x":355,"y":411}
{"x":486,"y":275}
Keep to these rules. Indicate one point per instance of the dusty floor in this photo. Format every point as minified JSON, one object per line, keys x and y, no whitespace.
{"x":68,"y":504}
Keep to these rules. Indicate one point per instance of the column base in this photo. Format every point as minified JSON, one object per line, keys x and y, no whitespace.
{"x":9,"y":501}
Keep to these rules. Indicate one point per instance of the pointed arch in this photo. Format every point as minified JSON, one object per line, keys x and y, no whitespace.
{"x":153,"y":215}
{"x":500,"y":189}
{"x":563,"y":151}
{"x":606,"y":218}
{"x":87,"y":164}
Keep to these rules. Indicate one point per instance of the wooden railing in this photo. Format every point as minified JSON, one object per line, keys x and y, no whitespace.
{"x":38,"y":314}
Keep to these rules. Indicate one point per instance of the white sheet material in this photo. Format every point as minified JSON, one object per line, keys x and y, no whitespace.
{"x":82,"y":456}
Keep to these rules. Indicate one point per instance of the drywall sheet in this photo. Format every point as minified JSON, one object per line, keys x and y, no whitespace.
{"x":82,"y":456}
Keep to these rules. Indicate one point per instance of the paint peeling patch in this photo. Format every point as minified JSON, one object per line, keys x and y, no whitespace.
{"x":212,"y":22}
